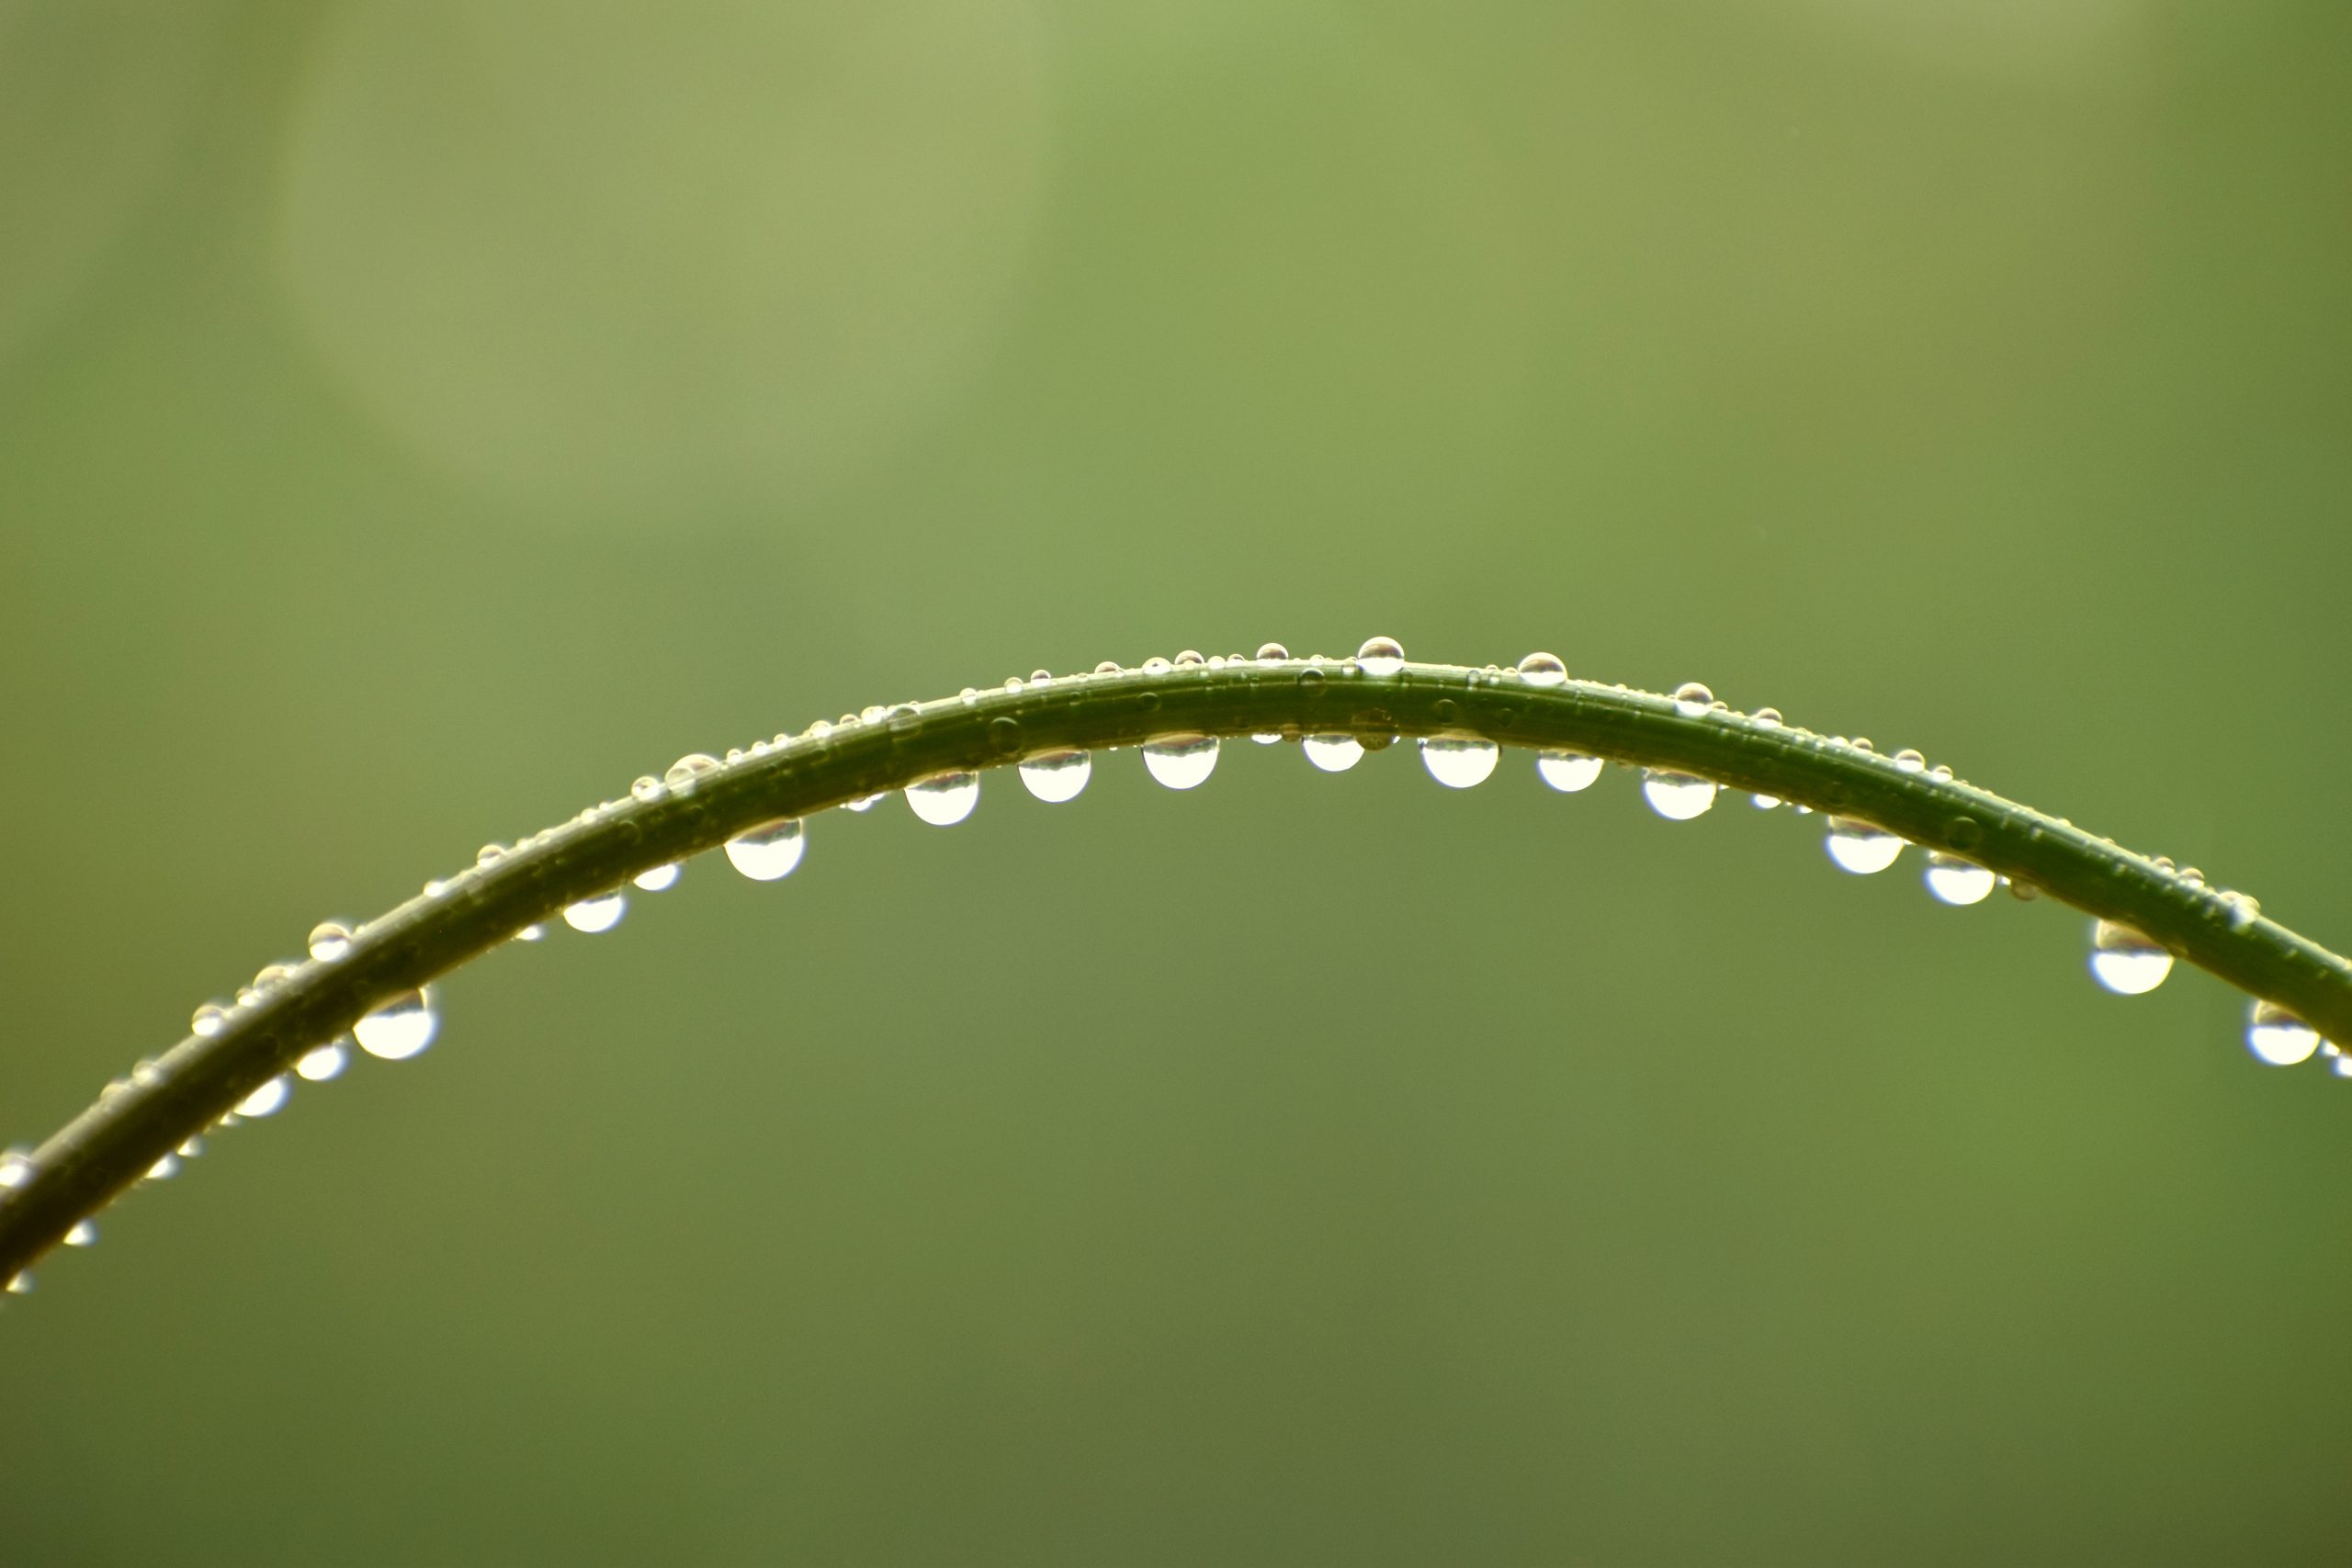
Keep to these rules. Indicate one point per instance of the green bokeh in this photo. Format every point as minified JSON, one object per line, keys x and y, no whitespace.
{"x":416,"y":419}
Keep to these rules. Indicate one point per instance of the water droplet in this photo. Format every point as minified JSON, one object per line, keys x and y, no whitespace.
{"x":15,"y":1168}
{"x":1459,"y":764}
{"x":660,"y":879}
{"x":647,"y":787}
{"x":863,"y":803}
{"x":1333,"y":753}
{"x":1156,"y":665}
{"x":1272,"y":653}
{"x":2243,"y":909}
{"x":83,"y":1234}
{"x":1568,"y":772}
{"x":600,"y":913}
{"x":1910,"y":762}
{"x":1267,"y":737}
{"x":769,"y":852}
{"x":2126,"y":961}
{"x":689,"y":770}
{"x":1380,"y":656}
{"x":164,"y":1170}
{"x":872,"y":713}
{"x":1691,"y":699}
{"x":208,"y":1020}
{"x":1057,"y":777}
{"x":1041,"y":677}
{"x":1768,"y":717}
{"x":1108,"y":667}
{"x":2277,"y":1037}
{"x":1188,"y":657}
{"x":1765,"y":802}
{"x":330,"y":940}
{"x":22,"y":1285}
{"x":265,"y":1100}
{"x":399,"y":1028}
{"x":490,"y":854}
{"x":325,"y":1062}
{"x":1958,"y":881}
{"x":945,"y":799}
{"x":1544,"y":669}
{"x":1678,"y":796}
{"x":1180,"y":762}
{"x":532,"y":933}
{"x":1862,"y":847}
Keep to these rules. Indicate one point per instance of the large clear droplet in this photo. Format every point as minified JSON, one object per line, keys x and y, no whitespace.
{"x":330,"y":940}
{"x":1332,"y":753}
{"x":1678,"y":796}
{"x":1691,"y":699}
{"x":1180,"y":762}
{"x":325,"y":1062}
{"x":1380,"y":656}
{"x":1568,"y":772}
{"x":1958,"y":881}
{"x":600,"y":913}
{"x":1862,"y":847}
{"x":2277,"y":1037}
{"x":660,"y":879}
{"x":399,"y":1028}
{"x":1544,"y":669}
{"x":2126,"y":961}
{"x":945,"y":800}
{"x":1459,"y":764}
{"x":265,"y":1100}
{"x":1057,"y":777}
{"x":768,"y":852}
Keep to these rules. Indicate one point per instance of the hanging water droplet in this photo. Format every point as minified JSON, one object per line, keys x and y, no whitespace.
{"x":208,"y":1020}
{"x":265,"y":1100}
{"x":600,"y":913}
{"x":534,"y":933}
{"x":22,"y":1285}
{"x":2126,"y":961}
{"x":1457,"y":764}
{"x":1057,"y":777}
{"x":1862,"y":847}
{"x":1272,"y":653}
{"x":324,"y":1062}
{"x":1691,"y":699}
{"x":400,"y":1027}
{"x":2277,"y":1037}
{"x":1380,"y":656}
{"x":330,"y":940}
{"x":863,"y":803}
{"x":660,"y":879}
{"x":647,"y":787}
{"x":15,"y":1168}
{"x":1910,"y":762}
{"x":83,"y":1234}
{"x":1332,"y":753}
{"x":1180,"y":762}
{"x":1765,"y":802}
{"x":190,"y":1149}
{"x":1568,"y":772}
{"x":1678,"y":796}
{"x":1958,"y":881}
{"x":1267,"y":737}
{"x":945,"y":800}
{"x":1544,"y":669}
{"x":769,"y":852}
{"x":164,"y":1170}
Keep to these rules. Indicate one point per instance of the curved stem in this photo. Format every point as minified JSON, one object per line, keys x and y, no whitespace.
{"x":115,"y":1141}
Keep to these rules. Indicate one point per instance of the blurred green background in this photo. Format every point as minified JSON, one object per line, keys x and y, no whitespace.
{"x":417,"y":418}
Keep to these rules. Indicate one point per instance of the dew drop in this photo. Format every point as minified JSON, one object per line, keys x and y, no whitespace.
{"x":15,"y":1168}
{"x":1057,"y":777}
{"x":532,"y":933}
{"x":330,"y":940}
{"x":1180,"y":762}
{"x":647,"y":787}
{"x":83,"y":1234}
{"x":1958,"y":881}
{"x":1157,"y":666}
{"x":1678,"y":796}
{"x":600,"y":913}
{"x":769,"y":852}
{"x":863,"y":803}
{"x":1108,"y":667}
{"x":2243,"y":909}
{"x":490,"y":854}
{"x":265,"y":1101}
{"x":1189,"y":658}
{"x":2277,"y":1037}
{"x":1862,"y":847}
{"x":1333,"y":753}
{"x":660,"y":879}
{"x":325,"y":1062}
{"x":1046,"y":677}
{"x":1544,"y":669}
{"x":1459,"y":764}
{"x":399,"y":1028}
{"x":208,"y":1020}
{"x":1272,"y":653}
{"x":1765,"y":802}
{"x":1568,"y":772}
{"x":1910,"y":762}
{"x":22,"y":1285}
{"x":164,"y":1169}
{"x":1267,"y":737}
{"x":945,"y":799}
{"x":1691,"y":699}
{"x":2126,"y":961}
{"x":1380,"y":656}
{"x":1769,"y":718}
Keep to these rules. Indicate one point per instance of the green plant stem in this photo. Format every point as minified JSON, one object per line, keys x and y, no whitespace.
{"x":115,"y":1141}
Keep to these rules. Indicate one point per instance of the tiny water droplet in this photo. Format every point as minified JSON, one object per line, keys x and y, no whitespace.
{"x":1057,"y":777}
{"x":265,"y":1100}
{"x":769,"y":852}
{"x":164,"y":1169}
{"x":325,"y":1062}
{"x":1765,"y":802}
{"x":1678,"y":796}
{"x":689,"y":770}
{"x":532,"y":933}
{"x":1693,"y":699}
{"x":2126,"y":961}
{"x":862,"y":804}
{"x":1568,"y":772}
{"x":490,"y":854}
{"x":1267,"y":737}
{"x":872,"y":713}
{"x":2243,"y":910}
{"x":1188,"y":657}
{"x":208,"y":1020}
{"x":1910,"y":762}
{"x":1768,"y":717}
{"x":2277,"y":1037}
{"x":1941,"y":772}
{"x":647,"y":787}
{"x":330,"y":940}
{"x":1459,"y":764}
{"x":22,"y":1285}
{"x":1046,"y":677}
{"x":400,"y":1027}
{"x":15,"y":1168}
{"x":945,"y":799}
{"x":191,"y":1149}
{"x":1333,"y":753}
{"x":1958,"y":881}
{"x":83,"y":1234}
{"x":660,"y":879}
{"x":1108,"y":667}
{"x":600,"y":913}
{"x":1544,"y":669}
{"x":1272,"y":653}
{"x":1156,"y":665}
{"x":1380,"y":656}
{"x":1862,"y":847}
{"x":1180,"y":762}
